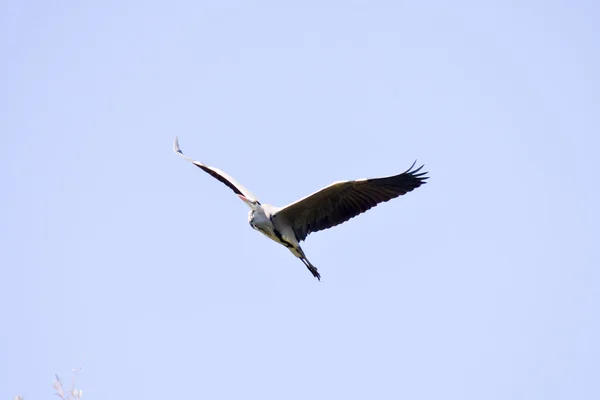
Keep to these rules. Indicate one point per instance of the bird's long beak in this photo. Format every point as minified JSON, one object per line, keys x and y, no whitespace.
{"x":245,"y":200}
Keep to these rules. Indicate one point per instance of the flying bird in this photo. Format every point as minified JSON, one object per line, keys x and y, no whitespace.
{"x":326,"y":208}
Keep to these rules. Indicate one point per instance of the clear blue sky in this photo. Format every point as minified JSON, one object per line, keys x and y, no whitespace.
{"x":119,"y":257}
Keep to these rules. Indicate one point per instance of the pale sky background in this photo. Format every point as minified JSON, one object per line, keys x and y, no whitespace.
{"x":121,"y":258}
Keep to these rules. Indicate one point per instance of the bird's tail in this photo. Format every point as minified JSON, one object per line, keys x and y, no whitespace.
{"x":313,"y":270}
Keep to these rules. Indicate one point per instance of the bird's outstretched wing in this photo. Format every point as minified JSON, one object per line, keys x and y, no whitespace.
{"x":340,"y":201}
{"x":217,"y":174}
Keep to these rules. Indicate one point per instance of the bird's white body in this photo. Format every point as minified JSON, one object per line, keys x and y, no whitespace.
{"x":264,"y":219}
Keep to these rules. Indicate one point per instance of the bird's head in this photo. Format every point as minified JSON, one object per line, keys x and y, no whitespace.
{"x":254,"y":207}
{"x":253,"y":204}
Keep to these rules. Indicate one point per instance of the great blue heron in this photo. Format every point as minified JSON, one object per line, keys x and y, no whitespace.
{"x":328,"y":207}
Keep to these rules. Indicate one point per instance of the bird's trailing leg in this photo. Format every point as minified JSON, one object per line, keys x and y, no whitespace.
{"x":298,"y":252}
{"x":311,"y":268}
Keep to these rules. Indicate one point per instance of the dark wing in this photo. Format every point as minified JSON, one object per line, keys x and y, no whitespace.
{"x":340,"y":201}
{"x":217,"y":174}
